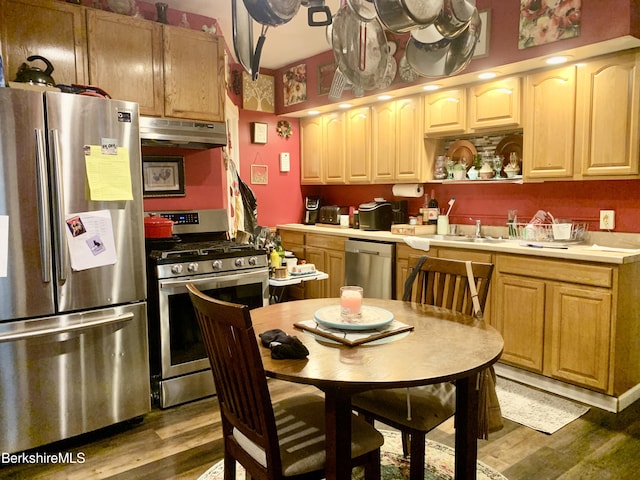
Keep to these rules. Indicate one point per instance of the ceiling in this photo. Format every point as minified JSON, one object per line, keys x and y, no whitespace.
{"x":284,"y":44}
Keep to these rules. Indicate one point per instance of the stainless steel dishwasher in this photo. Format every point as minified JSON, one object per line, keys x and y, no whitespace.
{"x":371,"y":265}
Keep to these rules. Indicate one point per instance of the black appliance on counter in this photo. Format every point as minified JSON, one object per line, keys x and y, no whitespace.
{"x":198,"y":253}
{"x":311,"y":210}
{"x":330,"y":214}
{"x":376,"y":215}
{"x":400,"y":209}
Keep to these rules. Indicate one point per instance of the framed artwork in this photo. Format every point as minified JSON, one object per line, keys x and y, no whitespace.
{"x":163,"y":177}
{"x":482,"y":47}
{"x":295,"y":85}
{"x":258,"y":95}
{"x":259,"y":174}
{"x":547,"y":22}
{"x":326,"y":72}
{"x":258,"y":132}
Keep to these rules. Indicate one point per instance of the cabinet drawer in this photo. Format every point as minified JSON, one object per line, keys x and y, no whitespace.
{"x":464,"y":255}
{"x":326,"y":242}
{"x":289,"y":237}
{"x":558,"y":270}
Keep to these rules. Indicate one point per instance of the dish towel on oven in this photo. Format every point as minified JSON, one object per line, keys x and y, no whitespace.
{"x":282,"y":345}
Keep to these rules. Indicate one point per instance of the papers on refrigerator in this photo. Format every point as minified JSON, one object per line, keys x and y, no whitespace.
{"x":90,"y":239}
{"x":108,"y":172}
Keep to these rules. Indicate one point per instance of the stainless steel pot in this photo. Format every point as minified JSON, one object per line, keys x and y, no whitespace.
{"x":454,"y":17}
{"x":242,"y":30}
{"x":401,"y":16}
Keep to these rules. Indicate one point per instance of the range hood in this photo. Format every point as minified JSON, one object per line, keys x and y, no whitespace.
{"x":162,"y":132}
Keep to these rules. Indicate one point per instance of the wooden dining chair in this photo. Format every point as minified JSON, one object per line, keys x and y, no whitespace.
{"x":271,"y":441}
{"x":418,"y":410}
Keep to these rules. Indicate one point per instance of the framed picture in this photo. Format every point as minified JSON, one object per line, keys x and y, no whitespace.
{"x":482,"y":47}
{"x":163,"y":176}
{"x":258,"y":132}
{"x":259,"y":174}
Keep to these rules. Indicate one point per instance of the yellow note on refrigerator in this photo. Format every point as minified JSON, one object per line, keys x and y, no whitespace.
{"x":108,"y":173}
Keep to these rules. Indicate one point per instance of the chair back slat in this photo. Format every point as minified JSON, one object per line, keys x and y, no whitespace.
{"x":444,"y":283}
{"x":240,"y":379}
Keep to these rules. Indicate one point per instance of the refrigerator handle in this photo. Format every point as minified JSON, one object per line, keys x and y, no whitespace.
{"x":43,"y":207}
{"x":62,"y":254}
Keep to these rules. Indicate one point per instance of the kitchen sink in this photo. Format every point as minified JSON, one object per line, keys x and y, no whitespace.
{"x":465,"y":238}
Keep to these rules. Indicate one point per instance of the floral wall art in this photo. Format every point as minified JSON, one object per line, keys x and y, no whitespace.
{"x":295,"y":85}
{"x":546,"y":21}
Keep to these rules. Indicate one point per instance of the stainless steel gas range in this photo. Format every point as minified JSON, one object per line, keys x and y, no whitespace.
{"x":198,"y":253}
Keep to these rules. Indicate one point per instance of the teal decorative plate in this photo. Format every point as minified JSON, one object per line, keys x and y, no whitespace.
{"x":372,"y":317}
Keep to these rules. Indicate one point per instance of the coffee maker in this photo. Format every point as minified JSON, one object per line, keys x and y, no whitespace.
{"x":311,"y":210}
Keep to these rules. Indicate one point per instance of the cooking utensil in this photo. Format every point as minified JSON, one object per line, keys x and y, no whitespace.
{"x":426,"y":52}
{"x":365,"y":9}
{"x":463,"y":46}
{"x":360,"y":48}
{"x":401,"y":16}
{"x":30,"y":74}
{"x":454,"y":17}
{"x":242,"y":30}
{"x":314,"y":8}
{"x":157,"y":227}
{"x":338,"y":85}
{"x":451,"y":202}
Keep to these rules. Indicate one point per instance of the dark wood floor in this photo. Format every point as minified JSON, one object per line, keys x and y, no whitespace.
{"x":182,"y":442}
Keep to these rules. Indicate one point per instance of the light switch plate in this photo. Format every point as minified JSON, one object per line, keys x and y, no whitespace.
{"x":285,"y":162}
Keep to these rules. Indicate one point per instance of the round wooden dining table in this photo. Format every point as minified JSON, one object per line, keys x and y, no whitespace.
{"x":443,"y":346}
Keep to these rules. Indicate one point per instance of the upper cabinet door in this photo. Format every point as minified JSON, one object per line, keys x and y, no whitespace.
{"x":409,"y":157}
{"x":608,"y":108}
{"x":193,"y":74}
{"x":54,"y":30}
{"x":549,"y":124}
{"x":311,"y":150}
{"x":446,"y":111}
{"x":333,"y":143}
{"x":116,"y":43}
{"x":495,"y":104}
{"x":358,"y":145}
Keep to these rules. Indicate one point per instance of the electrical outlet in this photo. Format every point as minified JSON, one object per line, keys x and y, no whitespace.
{"x":607,"y":219}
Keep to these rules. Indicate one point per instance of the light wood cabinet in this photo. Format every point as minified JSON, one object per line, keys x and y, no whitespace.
{"x":556,"y":318}
{"x":495,"y":104}
{"x":446,"y":111}
{"x":549,"y":124}
{"x":358,"y":146}
{"x":322,"y":146}
{"x":294,"y":242}
{"x":115,"y":44}
{"x":54,"y":30}
{"x":327,"y":253}
{"x":398,"y":144}
{"x":193,"y":74}
{"x":608,"y":114}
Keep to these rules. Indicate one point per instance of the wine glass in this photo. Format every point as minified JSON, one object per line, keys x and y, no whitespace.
{"x":497,"y":165}
{"x":450,"y":164}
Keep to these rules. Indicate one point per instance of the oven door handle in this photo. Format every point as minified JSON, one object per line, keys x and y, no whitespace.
{"x":209,"y":280}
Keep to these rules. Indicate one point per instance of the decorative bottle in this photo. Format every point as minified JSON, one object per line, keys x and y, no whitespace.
{"x":433,"y":210}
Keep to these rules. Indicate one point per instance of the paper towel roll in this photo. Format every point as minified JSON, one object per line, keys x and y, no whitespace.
{"x":408,"y":190}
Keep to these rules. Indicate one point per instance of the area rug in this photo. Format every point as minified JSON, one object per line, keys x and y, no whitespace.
{"x":536,"y":409}
{"x":439,"y":463}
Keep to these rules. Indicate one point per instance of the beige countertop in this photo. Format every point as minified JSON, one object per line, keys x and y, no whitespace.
{"x":626,"y":247}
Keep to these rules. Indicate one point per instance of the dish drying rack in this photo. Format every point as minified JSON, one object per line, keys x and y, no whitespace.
{"x":544,"y":232}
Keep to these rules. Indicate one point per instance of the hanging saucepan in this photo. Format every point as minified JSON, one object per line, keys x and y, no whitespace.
{"x":463,"y":46}
{"x":242,"y":34}
{"x":34,"y":75}
{"x":365,"y":9}
{"x":269,"y":13}
{"x":360,"y":49}
{"x":401,"y":16}
{"x":426,"y":52}
{"x":454,"y":17}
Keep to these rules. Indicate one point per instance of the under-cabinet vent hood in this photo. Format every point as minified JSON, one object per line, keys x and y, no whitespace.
{"x":162,"y":132}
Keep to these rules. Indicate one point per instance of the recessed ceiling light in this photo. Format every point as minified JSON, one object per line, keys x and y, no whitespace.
{"x":487,"y":75}
{"x":384,"y":97}
{"x":557,"y":60}
{"x":431,"y":88}
{"x":313,"y":112}
{"x":345,"y":105}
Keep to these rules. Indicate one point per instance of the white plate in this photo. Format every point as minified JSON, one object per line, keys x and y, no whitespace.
{"x":372,"y":317}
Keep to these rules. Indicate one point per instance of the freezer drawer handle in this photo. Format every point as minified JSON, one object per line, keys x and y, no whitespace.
{"x":12,"y":337}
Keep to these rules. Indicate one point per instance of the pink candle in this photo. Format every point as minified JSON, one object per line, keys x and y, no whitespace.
{"x":351,"y":301}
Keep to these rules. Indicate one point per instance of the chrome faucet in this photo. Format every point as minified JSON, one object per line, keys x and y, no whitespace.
{"x":478,"y":228}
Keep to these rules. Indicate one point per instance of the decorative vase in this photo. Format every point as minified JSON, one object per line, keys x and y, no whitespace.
{"x":162,"y":12}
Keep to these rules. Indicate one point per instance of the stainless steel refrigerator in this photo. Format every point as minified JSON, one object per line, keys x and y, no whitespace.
{"x":73,"y":326}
